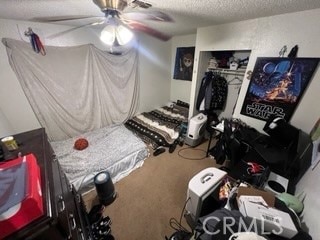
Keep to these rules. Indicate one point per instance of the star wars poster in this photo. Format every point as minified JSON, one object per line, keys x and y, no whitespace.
{"x":276,"y":86}
{"x":183,"y":67}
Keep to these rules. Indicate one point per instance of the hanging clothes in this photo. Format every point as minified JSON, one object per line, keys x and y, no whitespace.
{"x":206,"y":83}
{"x":213,"y":93}
{"x":219,"y":93}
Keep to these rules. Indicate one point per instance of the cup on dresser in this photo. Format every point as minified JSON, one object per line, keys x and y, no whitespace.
{"x":10,"y":143}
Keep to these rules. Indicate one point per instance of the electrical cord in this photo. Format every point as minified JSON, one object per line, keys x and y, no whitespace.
{"x":184,"y":207}
{"x":177,"y":226}
{"x":196,"y":149}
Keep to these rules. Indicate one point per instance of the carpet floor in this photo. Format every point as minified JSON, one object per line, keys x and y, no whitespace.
{"x":150,"y":196}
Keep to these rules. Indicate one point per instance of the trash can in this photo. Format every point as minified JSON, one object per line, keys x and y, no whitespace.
{"x":105,"y":188}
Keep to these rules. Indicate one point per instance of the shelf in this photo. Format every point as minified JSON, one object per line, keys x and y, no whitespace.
{"x":239,"y":71}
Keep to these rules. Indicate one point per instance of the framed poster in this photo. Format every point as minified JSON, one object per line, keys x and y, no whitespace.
{"x":183,"y":67}
{"x":276,"y":86}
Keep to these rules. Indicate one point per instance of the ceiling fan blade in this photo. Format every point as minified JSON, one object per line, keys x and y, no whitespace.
{"x":62,"y":18}
{"x":140,"y":27}
{"x":150,"y":15}
{"x":72,"y":29}
{"x":141,"y":4}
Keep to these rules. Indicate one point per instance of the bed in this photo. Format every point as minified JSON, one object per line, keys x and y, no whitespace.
{"x":120,"y":148}
{"x":161,"y":127}
{"x":114,"y":149}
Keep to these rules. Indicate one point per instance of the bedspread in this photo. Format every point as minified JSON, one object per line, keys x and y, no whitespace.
{"x":113,"y":148}
{"x":160,"y":127}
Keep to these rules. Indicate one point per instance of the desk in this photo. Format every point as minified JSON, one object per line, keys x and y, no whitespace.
{"x":291,"y":162}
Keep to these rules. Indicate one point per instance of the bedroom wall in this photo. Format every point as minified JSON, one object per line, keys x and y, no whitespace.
{"x":154,"y":71}
{"x":265,"y":37}
{"x":180,"y":89}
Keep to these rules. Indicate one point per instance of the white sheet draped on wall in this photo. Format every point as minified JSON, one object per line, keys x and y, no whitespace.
{"x":77,"y":89}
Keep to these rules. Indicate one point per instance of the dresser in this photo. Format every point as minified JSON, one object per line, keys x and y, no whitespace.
{"x":64,"y":213}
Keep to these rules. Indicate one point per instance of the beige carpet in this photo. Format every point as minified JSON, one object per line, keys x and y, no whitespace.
{"x":153,"y":194}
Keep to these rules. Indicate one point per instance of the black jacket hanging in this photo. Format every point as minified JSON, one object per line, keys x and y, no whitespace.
{"x":205,"y":83}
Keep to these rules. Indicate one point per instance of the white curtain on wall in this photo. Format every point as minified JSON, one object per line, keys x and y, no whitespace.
{"x":77,"y":89}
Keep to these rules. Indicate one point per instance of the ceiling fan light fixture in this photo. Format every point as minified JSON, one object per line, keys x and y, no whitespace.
{"x":114,"y":32}
{"x":124,"y":35}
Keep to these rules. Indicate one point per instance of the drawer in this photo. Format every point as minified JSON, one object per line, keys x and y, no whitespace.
{"x":82,"y":217}
{"x":69,"y":220}
{"x":73,"y":219}
{"x":77,"y":214}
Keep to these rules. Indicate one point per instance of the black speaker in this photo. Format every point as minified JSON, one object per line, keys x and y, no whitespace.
{"x":105,"y":188}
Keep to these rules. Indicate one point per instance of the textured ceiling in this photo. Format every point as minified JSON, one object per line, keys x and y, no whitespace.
{"x":188,"y":14}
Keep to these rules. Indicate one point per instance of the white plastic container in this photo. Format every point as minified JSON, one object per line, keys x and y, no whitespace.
{"x":200,"y":187}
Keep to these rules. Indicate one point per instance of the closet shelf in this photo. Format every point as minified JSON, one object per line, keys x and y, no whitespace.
{"x":239,"y":71}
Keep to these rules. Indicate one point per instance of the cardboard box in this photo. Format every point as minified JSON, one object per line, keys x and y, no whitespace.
{"x":268,"y":197}
{"x":253,"y":199}
{"x":267,"y":219}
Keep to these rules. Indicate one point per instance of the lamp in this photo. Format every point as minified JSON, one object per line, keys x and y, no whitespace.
{"x":115,"y":32}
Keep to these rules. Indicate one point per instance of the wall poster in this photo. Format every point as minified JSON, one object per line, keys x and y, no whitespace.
{"x":276,"y":86}
{"x":183,"y":67}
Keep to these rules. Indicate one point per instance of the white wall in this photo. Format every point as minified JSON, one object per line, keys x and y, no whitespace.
{"x":265,"y":37}
{"x":154,"y":71}
{"x":180,"y":89}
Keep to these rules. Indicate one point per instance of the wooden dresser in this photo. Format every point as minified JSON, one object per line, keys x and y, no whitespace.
{"x":64,"y":215}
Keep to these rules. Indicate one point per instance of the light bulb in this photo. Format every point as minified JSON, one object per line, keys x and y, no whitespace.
{"x":124,"y":35}
{"x":108,"y":34}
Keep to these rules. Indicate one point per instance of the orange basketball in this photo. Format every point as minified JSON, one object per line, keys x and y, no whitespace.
{"x":81,"y":144}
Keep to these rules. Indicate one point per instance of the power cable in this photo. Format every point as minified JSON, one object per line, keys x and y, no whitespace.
{"x":195,"y":149}
{"x":177,"y":226}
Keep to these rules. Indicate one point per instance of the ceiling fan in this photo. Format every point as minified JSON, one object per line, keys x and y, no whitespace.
{"x":119,"y":23}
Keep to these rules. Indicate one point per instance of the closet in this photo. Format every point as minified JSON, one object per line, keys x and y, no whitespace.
{"x":229,"y":65}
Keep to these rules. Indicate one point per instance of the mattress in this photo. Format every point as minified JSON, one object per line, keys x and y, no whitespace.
{"x":114,"y":149}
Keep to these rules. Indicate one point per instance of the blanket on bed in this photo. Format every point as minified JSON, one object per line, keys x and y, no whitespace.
{"x":160,"y":127}
{"x":113,"y":148}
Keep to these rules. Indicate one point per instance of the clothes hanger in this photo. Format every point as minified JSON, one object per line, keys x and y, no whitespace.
{"x":234,"y":79}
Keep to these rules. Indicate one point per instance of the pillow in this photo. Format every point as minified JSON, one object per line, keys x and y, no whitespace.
{"x":81,"y":143}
